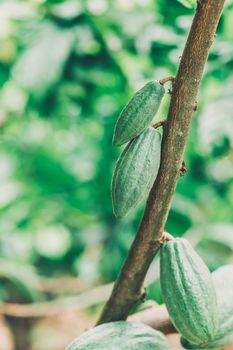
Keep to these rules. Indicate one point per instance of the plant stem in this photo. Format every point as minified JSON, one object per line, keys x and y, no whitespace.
{"x":129,"y":285}
{"x":165,"y":80}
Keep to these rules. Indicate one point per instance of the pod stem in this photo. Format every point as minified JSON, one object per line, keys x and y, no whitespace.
{"x":166,"y":237}
{"x":127,"y":289}
{"x":158,"y":124}
{"x":165,"y":80}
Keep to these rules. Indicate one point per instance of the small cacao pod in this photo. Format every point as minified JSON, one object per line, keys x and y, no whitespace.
{"x":223,"y":281}
{"x":188,"y":291}
{"x":138,"y":113}
{"x":120,"y":335}
{"x":136,"y":171}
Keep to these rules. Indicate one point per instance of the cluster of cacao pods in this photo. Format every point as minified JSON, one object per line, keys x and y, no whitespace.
{"x":138,"y":164}
{"x":200,"y":305}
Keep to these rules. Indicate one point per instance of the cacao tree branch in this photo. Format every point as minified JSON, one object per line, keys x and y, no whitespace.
{"x":129,"y":284}
{"x":156,"y":317}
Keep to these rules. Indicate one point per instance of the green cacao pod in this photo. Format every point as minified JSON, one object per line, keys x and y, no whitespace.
{"x":120,"y":335}
{"x":138,"y":113}
{"x":223,"y":281}
{"x":188,"y":291}
{"x":135,"y":171}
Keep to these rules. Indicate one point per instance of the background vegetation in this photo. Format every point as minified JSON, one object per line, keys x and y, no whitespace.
{"x":66,"y":70}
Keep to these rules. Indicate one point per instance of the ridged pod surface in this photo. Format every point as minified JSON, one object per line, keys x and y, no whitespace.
{"x":120,"y":335}
{"x":135,"y":171}
{"x":138,"y":113}
{"x":188,"y":291}
{"x":223,"y":281}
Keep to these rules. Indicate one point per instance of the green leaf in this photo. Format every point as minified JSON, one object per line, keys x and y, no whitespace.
{"x":41,"y":65}
{"x":188,"y":3}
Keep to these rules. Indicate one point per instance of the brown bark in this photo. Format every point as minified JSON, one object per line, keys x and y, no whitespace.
{"x":128,"y":287}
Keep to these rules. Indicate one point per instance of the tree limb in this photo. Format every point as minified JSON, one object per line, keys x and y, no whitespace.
{"x":58,"y":306}
{"x":74,"y":303}
{"x":129,"y":285}
{"x":156,"y":317}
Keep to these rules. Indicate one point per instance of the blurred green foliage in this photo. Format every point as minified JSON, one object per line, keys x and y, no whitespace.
{"x":67,"y":68}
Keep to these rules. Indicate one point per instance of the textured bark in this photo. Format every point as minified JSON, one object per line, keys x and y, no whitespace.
{"x":128,"y":287}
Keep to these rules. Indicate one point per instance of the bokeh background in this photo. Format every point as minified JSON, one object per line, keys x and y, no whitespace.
{"x":67,"y":68}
